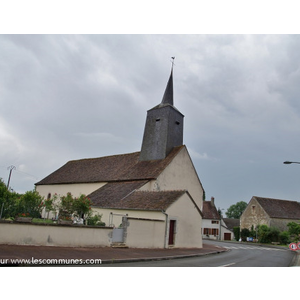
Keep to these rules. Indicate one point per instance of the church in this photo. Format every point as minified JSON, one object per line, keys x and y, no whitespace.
{"x":152,"y":198}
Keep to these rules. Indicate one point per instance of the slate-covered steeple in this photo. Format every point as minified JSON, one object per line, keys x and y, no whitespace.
{"x":164,"y":127}
{"x":168,"y":95}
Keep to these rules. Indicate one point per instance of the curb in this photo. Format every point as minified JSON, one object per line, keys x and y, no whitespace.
{"x":296,"y":260}
{"x":112,"y":261}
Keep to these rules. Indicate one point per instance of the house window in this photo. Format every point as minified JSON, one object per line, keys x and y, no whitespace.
{"x":211,"y":231}
{"x":253,"y":208}
{"x":214,"y":222}
{"x":49,"y":196}
{"x":215,"y":231}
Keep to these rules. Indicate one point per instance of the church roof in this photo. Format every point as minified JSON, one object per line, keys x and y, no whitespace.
{"x":123,"y":167}
{"x":123,"y":195}
{"x":110,"y":194}
{"x":276,"y":208}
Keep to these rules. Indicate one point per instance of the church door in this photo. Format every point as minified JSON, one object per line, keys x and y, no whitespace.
{"x":172,"y":232}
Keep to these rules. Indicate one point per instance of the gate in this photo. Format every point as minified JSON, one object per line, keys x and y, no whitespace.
{"x":227,"y":236}
{"x":118,"y":235}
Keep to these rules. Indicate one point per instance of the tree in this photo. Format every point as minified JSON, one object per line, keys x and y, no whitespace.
{"x":8,"y":201}
{"x":236,"y":210}
{"x":30,"y":203}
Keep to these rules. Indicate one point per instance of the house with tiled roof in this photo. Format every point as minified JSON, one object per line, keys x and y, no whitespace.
{"x":214,"y":226}
{"x":153,"y":196}
{"x":271,"y":212}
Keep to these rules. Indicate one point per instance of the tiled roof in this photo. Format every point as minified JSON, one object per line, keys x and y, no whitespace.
{"x":123,"y":195}
{"x":276,"y":208}
{"x":110,"y":194}
{"x":230,"y":223}
{"x":209,"y":211}
{"x":124,"y":167}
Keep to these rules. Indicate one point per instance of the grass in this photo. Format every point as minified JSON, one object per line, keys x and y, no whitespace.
{"x":42,"y":221}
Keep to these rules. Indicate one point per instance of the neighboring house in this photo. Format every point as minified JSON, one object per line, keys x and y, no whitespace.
{"x":230,"y":224}
{"x":271,"y":212}
{"x":214,"y":227}
{"x":154,"y":195}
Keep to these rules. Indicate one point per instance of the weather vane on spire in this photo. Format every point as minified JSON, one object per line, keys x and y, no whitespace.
{"x":173,"y":57}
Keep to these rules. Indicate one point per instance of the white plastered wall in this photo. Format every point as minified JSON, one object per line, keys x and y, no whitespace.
{"x":180,"y":174}
{"x":188,"y":222}
{"x":76,"y":189}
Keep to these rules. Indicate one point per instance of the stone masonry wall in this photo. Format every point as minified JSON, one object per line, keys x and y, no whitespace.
{"x":254,"y":215}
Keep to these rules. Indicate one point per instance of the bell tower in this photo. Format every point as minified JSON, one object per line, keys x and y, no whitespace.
{"x":164,"y":127}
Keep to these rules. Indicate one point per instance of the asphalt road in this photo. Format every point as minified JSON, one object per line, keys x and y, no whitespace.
{"x":239,"y":255}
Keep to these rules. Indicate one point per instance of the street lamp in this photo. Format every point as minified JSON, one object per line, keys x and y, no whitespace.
{"x":291,"y":162}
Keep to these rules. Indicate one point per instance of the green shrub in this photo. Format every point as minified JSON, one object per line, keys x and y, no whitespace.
{"x":268,"y":234}
{"x":294,"y":231}
{"x":244,"y":234}
{"x":95,"y":220}
{"x":284,"y":238}
{"x":236,"y":232}
{"x":70,"y":205}
{"x":273,"y":234}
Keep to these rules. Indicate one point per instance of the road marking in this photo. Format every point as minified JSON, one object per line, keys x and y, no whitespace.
{"x":254,"y":248}
{"x":227,"y":265}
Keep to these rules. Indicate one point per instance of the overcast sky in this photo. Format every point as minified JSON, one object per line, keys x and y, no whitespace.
{"x":66,"y":97}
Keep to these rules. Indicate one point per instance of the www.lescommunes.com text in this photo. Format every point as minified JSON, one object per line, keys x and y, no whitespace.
{"x":50,"y":261}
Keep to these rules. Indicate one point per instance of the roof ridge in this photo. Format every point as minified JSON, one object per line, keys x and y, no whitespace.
{"x":102,"y":157}
{"x":268,"y":198}
{"x":161,"y":191}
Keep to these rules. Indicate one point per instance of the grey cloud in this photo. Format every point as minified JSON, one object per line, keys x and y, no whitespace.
{"x":67,"y":97}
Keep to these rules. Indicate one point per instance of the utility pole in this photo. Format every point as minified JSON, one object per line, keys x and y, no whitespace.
{"x":10,"y":168}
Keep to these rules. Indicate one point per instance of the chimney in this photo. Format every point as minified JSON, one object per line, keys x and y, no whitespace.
{"x":212,"y":201}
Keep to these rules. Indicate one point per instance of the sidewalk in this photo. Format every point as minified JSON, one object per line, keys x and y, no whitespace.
{"x":106,"y":254}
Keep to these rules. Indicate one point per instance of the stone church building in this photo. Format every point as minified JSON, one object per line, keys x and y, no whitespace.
{"x":155,"y":194}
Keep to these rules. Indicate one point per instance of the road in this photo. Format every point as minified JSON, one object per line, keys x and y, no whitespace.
{"x":239,"y":255}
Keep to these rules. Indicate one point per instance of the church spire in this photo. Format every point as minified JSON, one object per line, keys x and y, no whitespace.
{"x":163,"y":128}
{"x":168,"y":95}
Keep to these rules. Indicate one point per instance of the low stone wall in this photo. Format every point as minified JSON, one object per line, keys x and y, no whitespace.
{"x":54,"y":235}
